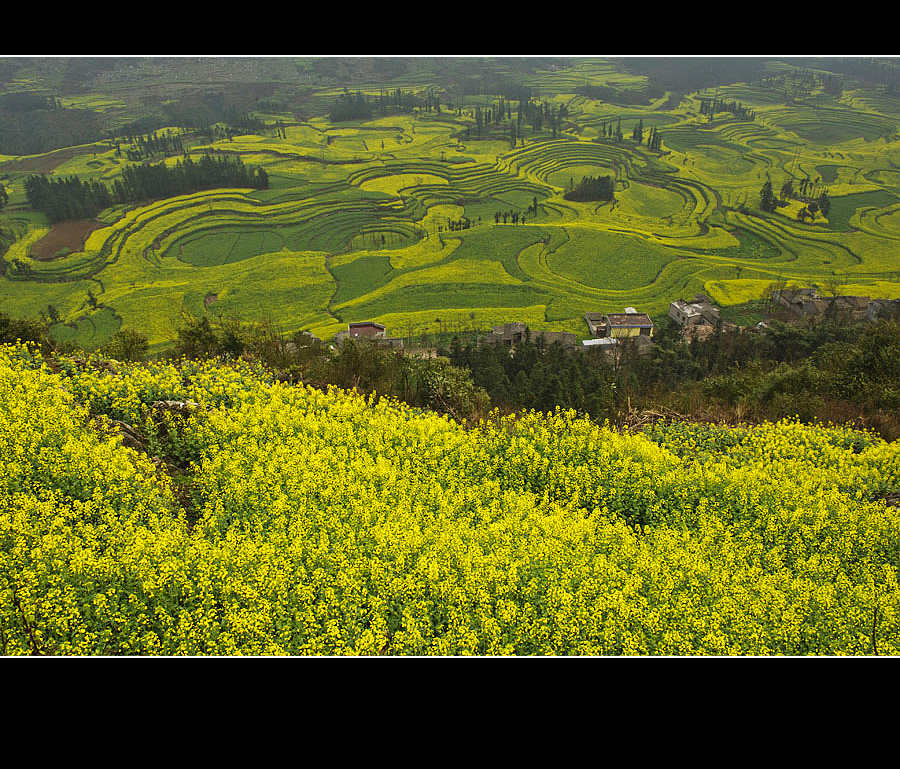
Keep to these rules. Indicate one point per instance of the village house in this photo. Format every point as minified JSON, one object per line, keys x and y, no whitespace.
{"x":595,"y":322}
{"x":699,"y":312}
{"x":302,"y":339}
{"x":620,"y":325}
{"x":511,"y":334}
{"x":807,"y":303}
{"x":369,"y":331}
{"x":800,"y":301}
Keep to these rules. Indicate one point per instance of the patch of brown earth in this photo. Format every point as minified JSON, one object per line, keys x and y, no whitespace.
{"x":44,"y":164}
{"x":64,"y":237}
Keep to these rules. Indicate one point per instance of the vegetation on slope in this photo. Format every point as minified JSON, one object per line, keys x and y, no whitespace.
{"x":259,"y":517}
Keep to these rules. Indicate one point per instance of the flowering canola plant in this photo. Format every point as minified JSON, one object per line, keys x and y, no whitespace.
{"x":297,"y":521}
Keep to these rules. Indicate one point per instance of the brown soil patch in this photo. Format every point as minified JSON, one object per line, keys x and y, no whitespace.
{"x":44,"y":164}
{"x":69,"y":235}
{"x":209,"y":299}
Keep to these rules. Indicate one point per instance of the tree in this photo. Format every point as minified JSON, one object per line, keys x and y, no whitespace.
{"x":787,"y":189}
{"x":196,"y":339}
{"x":767,"y":198}
{"x":126,"y":345}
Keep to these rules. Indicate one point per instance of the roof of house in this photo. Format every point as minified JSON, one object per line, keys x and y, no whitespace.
{"x":366,"y":323}
{"x":695,"y":308}
{"x":629,"y":319}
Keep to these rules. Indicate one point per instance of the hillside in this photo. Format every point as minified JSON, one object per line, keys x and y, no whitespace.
{"x":202,"y":508}
{"x":430,"y":195}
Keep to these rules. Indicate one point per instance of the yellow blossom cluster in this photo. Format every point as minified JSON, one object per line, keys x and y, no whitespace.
{"x":289,"y":520}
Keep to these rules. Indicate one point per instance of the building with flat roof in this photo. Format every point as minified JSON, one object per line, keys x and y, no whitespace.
{"x":619,"y":325}
{"x":699,"y":312}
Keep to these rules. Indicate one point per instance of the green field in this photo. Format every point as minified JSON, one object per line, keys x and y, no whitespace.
{"x":361,"y":220}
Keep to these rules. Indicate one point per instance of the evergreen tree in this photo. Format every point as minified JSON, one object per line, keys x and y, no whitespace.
{"x":767,"y":198}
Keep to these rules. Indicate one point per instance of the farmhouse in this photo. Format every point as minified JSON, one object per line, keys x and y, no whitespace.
{"x":806,"y":302}
{"x":595,"y":323}
{"x":798,"y":300}
{"x":369,"y":331}
{"x":700,"y":312}
{"x":619,"y":325}
{"x":511,"y":334}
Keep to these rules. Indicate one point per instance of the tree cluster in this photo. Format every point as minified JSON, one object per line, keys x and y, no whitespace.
{"x":516,"y":217}
{"x":356,"y":364}
{"x":67,"y":198}
{"x":611,"y":129}
{"x":357,"y":106}
{"x":151,"y":145}
{"x":72,"y":198}
{"x":782,"y":371}
{"x":713,"y":105}
{"x":591,"y":188}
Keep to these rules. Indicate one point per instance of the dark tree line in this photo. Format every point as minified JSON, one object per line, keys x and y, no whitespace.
{"x":457,"y":225}
{"x":591,"y":188}
{"x":536,"y":114}
{"x":879,"y":71}
{"x":72,"y":198}
{"x":357,"y":106}
{"x":244,"y":121}
{"x":767,"y":200}
{"x":611,"y":129}
{"x":67,"y":198}
{"x":27,"y":101}
{"x":36,"y":131}
{"x":142,"y":147}
{"x":710,"y":106}
{"x":688,"y":74}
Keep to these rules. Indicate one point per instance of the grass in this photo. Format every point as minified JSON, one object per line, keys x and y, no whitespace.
{"x":88,"y":331}
{"x":843,"y":207}
{"x":609,"y":260}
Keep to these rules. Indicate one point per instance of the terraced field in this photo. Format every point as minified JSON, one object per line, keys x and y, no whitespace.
{"x":416,"y":222}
